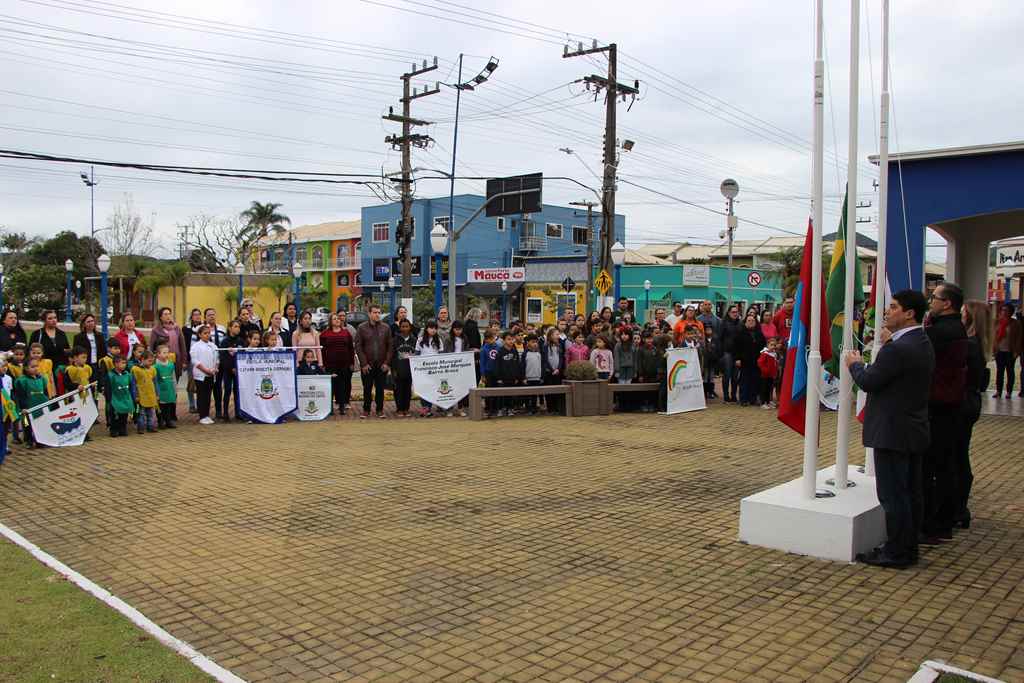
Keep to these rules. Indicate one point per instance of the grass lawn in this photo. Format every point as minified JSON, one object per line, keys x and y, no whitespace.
{"x":51,"y":630}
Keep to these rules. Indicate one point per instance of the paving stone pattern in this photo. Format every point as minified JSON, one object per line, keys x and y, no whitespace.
{"x":521,"y":549}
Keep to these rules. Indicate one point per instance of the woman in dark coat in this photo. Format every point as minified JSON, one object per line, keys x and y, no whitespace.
{"x":90,"y":340}
{"x":54,"y":341}
{"x":748,"y":345}
{"x":11,"y":332}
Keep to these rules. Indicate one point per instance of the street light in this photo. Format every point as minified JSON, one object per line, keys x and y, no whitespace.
{"x":1,"y":288}
{"x":618,"y":258}
{"x":730,"y":188}
{"x":297,"y":274}
{"x":69,"y":266}
{"x":91,"y":182}
{"x":438,"y":239}
{"x":78,"y":291}
{"x":391,"y":286}
{"x":479,"y":79}
{"x":504,"y":304}
{"x":647,"y":298}
{"x":240,"y":272}
{"x":103,"y":263}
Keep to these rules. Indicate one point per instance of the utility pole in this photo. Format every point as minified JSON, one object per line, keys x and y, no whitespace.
{"x":590,"y":249}
{"x":613,"y":90}
{"x":403,"y":234}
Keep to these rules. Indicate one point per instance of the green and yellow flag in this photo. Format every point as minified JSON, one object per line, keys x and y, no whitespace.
{"x":9,"y":407}
{"x":835,"y":291}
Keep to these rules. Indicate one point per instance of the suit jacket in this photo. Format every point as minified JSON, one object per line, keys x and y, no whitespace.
{"x":898,"y":384}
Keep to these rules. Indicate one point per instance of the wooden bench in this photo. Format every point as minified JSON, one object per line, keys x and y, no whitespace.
{"x":612,"y":389}
{"x":477,"y":396}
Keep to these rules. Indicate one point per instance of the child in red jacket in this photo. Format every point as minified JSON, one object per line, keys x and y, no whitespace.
{"x":768,"y":364}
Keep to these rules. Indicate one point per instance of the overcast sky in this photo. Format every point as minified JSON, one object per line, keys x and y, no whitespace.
{"x":726,"y":91}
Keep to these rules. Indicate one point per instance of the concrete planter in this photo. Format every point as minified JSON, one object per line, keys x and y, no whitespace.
{"x":589,"y":397}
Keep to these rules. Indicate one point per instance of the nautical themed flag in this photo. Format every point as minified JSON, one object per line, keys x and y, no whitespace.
{"x":793,"y":396}
{"x":65,"y":420}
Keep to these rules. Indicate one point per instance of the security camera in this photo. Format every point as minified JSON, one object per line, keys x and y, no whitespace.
{"x":721,"y":234}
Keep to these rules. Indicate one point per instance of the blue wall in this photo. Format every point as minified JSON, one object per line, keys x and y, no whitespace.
{"x":481,"y":244}
{"x":934,"y":190}
{"x":667,"y":282}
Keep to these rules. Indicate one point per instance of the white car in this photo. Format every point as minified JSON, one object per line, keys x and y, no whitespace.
{"x":320,"y":317}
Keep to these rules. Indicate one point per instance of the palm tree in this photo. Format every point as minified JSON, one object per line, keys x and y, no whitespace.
{"x":261,"y":221}
{"x":150,"y":283}
{"x":279,"y":286}
{"x":176,"y":273}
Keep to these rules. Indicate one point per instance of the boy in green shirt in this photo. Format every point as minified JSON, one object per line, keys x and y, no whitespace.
{"x":120,"y":393}
{"x":30,"y":390}
{"x":166,"y":387}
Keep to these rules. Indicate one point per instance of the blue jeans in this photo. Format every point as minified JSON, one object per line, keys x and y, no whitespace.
{"x":145,"y":418}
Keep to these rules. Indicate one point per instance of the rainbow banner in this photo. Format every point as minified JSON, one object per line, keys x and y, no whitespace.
{"x":685,"y":381}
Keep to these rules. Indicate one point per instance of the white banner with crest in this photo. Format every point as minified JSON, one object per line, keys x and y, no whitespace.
{"x":443,"y":380}
{"x":65,"y":420}
{"x":314,"y":397}
{"x":267,"y":390}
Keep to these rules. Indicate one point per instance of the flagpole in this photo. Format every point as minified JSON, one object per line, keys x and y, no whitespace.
{"x":881,"y":279}
{"x":845,"y":379}
{"x":810,"y":469}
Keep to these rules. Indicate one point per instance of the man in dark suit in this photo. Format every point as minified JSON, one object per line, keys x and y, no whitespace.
{"x":896,"y":423}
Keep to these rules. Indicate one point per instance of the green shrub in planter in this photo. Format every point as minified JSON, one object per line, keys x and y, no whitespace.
{"x":581,"y":371}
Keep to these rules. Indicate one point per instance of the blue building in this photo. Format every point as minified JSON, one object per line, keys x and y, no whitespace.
{"x":555,"y":232}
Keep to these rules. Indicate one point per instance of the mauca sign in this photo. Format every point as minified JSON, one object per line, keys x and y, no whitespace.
{"x":267,"y":390}
{"x":443,"y":380}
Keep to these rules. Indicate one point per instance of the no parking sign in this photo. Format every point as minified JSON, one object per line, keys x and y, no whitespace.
{"x":754,"y":279}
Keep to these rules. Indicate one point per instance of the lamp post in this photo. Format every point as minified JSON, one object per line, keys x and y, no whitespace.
{"x":647,"y":298}
{"x":78,"y":291}
{"x":381,"y":288}
{"x":297,"y":274}
{"x":504,"y":304}
{"x":438,"y":239}
{"x":1,"y":288}
{"x":391,"y":304}
{"x":240,"y":272}
{"x":618,"y":258}
{"x":103,"y":263}
{"x":91,"y":182}
{"x":69,"y":266}
{"x":730,"y":188}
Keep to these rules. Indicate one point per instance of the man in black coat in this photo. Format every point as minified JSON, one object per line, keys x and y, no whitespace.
{"x":896,"y":423}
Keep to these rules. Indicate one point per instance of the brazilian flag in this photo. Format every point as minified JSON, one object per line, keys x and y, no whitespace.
{"x":835,"y":291}
{"x":10,"y":408}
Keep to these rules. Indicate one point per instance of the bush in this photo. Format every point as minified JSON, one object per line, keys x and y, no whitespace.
{"x":581,"y":371}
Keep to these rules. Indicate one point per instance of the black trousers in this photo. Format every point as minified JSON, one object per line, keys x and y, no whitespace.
{"x":218,"y":387}
{"x":898,"y":485}
{"x":204,"y":390}
{"x":555,"y":403}
{"x":341,"y":388}
{"x":962,"y":466}
{"x":403,"y":393}
{"x":119,"y":425}
{"x":1005,"y":362}
{"x":374,"y":380}
{"x":166,"y":414}
{"x":939,"y":475}
{"x":227,"y":388}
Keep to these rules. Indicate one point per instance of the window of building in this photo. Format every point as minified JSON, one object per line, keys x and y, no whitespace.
{"x":444,"y":221}
{"x":381,"y":232}
{"x":342,"y":280}
{"x":499,"y":223}
{"x":534,"y":310}
{"x":318,"y":257}
{"x":342,"y":251}
{"x":300,"y":255}
{"x":565,"y":302}
{"x":579,"y":234}
{"x":554,"y":231}
{"x":358,"y":279}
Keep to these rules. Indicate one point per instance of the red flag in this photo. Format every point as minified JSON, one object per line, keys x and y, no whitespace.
{"x":793,"y":396}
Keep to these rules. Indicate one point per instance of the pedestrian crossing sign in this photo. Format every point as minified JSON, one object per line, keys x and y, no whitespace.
{"x":603,"y":282}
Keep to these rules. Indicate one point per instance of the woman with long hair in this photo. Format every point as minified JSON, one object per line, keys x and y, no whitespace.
{"x":191,"y":334}
{"x":306,"y":336}
{"x":166,"y":331}
{"x":54,"y":341}
{"x":127,"y":337}
{"x":748,"y":347}
{"x":90,"y":340}
{"x":731,"y":327}
{"x":339,"y":360}
{"x":444,"y":325}
{"x":291,"y":317}
{"x":975,"y":317}
{"x":11,"y":332}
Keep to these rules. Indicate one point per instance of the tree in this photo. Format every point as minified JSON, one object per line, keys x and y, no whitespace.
{"x":37,"y":287}
{"x":126,"y":233}
{"x":216,"y":244}
{"x":67,"y":245}
{"x":261,"y":221}
{"x":176,"y":273}
{"x":279,"y":286}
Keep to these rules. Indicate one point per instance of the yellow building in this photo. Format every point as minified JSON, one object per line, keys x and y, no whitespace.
{"x":542,"y":303}
{"x":220,"y":292}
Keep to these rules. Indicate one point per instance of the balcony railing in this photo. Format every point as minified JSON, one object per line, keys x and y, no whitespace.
{"x":346,"y":262}
{"x":533,"y":243}
{"x":317,"y":264}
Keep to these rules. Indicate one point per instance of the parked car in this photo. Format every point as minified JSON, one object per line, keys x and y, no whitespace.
{"x":320,"y":317}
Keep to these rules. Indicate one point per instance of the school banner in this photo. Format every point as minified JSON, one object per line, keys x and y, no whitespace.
{"x":828,"y":390}
{"x":443,"y":380}
{"x":685,"y":381}
{"x":65,"y":420}
{"x":314,"y":397}
{"x":267,"y":391}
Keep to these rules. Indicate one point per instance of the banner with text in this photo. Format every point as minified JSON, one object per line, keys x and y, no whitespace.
{"x":266,"y":384}
{"x":443,"y":380}
{"x":685,"y":382}
{"x":314,"y":397}
{"x":65,"y":420}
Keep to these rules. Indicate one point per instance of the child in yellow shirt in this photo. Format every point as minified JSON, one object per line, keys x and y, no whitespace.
{"x":16,"y":363}
{"x":79,"y":373}
{"x":35,"y":353}
{"x":145,"y":382}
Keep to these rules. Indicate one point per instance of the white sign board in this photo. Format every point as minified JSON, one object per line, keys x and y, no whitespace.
{"x":65,"y":420}
{"x":828,"y":390}
{"x":443,"y":380}
{"x":696,"y":276}
{"x":496,"y":275}
{"x":266,"y":384}
{"x":314,"y":397}
{"x":685,"y":381}
{"x":1010,"y":259}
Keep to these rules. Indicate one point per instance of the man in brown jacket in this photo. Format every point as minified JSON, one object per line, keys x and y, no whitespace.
{"x":373,"y":348}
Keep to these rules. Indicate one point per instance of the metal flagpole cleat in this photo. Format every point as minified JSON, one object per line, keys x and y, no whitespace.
{"x":849,"y":484}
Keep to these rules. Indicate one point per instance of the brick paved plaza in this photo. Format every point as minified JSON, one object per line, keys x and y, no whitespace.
{"x":586,"y":549}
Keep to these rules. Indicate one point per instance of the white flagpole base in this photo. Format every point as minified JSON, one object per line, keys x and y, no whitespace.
{"x":836,"y":528}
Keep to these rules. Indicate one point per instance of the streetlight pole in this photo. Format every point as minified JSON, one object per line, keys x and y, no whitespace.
{"x":618,"y":258}
{"x":103,"y":263}
{"x":69,"y":266}
{"x":438,"y":237}
{"x":240,"y":271}
{"x":647,"y":298}
{"x":1,"y":288}
{"x":90,"y":182}
{"x":504,"y":304}
{"x":730,"y":188}
{"x":297,"y":274}
{"x":391,"y":286}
